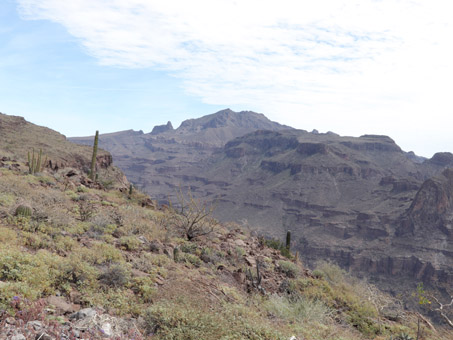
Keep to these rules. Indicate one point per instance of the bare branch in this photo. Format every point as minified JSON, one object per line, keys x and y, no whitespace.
{"x":193,"y":217}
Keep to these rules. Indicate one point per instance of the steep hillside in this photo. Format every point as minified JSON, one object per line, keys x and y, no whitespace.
{"x":19,"y":137}
{"x":97,"y":261}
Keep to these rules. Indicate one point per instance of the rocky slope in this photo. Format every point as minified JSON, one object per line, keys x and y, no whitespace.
{"x":361,"y":202}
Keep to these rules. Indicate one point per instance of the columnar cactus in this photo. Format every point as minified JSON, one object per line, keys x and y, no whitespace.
{"x":288,"y":240}
{"x":176,"y":254}
{"x":35,"y":164}
{"x":93,"y":159}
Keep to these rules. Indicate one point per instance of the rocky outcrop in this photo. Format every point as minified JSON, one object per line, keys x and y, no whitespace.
{"x":432,"y":208}
{"x":162,"y":128}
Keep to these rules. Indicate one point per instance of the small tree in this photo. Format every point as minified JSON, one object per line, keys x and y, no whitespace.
{"x":192,"y":217}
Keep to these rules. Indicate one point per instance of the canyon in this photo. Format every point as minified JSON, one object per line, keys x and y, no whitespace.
{"x":361,"y":202}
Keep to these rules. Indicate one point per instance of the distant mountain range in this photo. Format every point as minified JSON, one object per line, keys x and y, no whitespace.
{"x":359,"y":201}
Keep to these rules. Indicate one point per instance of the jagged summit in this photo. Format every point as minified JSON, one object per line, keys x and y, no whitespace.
{"x":162,"y":128}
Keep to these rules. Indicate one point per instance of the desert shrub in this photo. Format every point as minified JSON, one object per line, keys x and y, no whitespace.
{"x":144,"y":287}
{"x":299,"y":310}
{"x":339,"y":291}
{"x":191,"y":217}
{"x":288,"y":268}
{"x":82,"y":188}
{"x":36,"y":241}
{"x":29,"y":275}
{"x":100,"y":253}
{"x":64,"y":244}
{"x":181,"y":321}
{"x":277,"y":245}
{"x":7,"y":236}
{"x":6,"y":200}
{"x":102,"y":224}
{"x":190,"y":258}
{"x":77,"y":271}
{"x":330,"y":271}
{"x":188,"y":247}
{"x":129,"y":243}
{"x":115,"y":276}
{"x":85,"y":208}
{"x":149,"y":263}
{"x":318,"y":274}
{"x":239,"y":252}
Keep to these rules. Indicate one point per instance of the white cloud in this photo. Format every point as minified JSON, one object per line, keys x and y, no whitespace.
{"x":353,"y":66}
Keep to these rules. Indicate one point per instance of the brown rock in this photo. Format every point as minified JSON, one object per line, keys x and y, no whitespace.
{"x":60,"y":304}
{"x":138,"y":273}
{"x":250,"y":261}
{"x":240,"y":243}
{"x":239,"y":277}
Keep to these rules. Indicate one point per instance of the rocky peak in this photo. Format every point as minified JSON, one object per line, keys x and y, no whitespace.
{"x":442,"y":159}
{"x":230,"y":119}
{"x":432,"y":207}
{"x":162,"y":128}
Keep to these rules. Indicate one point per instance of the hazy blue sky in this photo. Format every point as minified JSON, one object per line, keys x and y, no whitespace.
{"x":348,"y":66}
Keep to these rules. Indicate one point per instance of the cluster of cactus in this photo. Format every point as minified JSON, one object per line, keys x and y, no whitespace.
{"x":255,"y":282}
{"x":93,"y":158}
{"x":23,"y":211}
{"x":35,"y":164}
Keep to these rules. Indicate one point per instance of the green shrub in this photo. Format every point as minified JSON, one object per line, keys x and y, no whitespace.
{"x":190,"y":258}
{"x":278,"y":245}
{"x":288,"y":268}
{"x":318,"y":274}
{"x":129,"y":243}
{"x":188,"y":247}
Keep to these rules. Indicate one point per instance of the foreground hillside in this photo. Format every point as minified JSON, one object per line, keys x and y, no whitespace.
{"x":81,"y":259}
{"x":133,"y":267}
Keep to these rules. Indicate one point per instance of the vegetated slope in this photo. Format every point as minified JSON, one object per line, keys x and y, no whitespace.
{"x":92,"y":261}
{"x":155,"y":161}
{"x":19,"y":137}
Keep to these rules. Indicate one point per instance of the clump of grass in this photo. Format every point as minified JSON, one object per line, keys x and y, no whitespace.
{"x":167,"y":320}
{"x":278,"y":245}
{"x":299,"y":310}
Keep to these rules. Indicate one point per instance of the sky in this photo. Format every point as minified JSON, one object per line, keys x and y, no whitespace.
{"x":353,"y":67}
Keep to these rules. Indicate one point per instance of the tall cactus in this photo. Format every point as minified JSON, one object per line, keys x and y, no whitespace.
{"x":93,"y":159}
{"x":35,"y":163}
{"x":288,"y":240}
